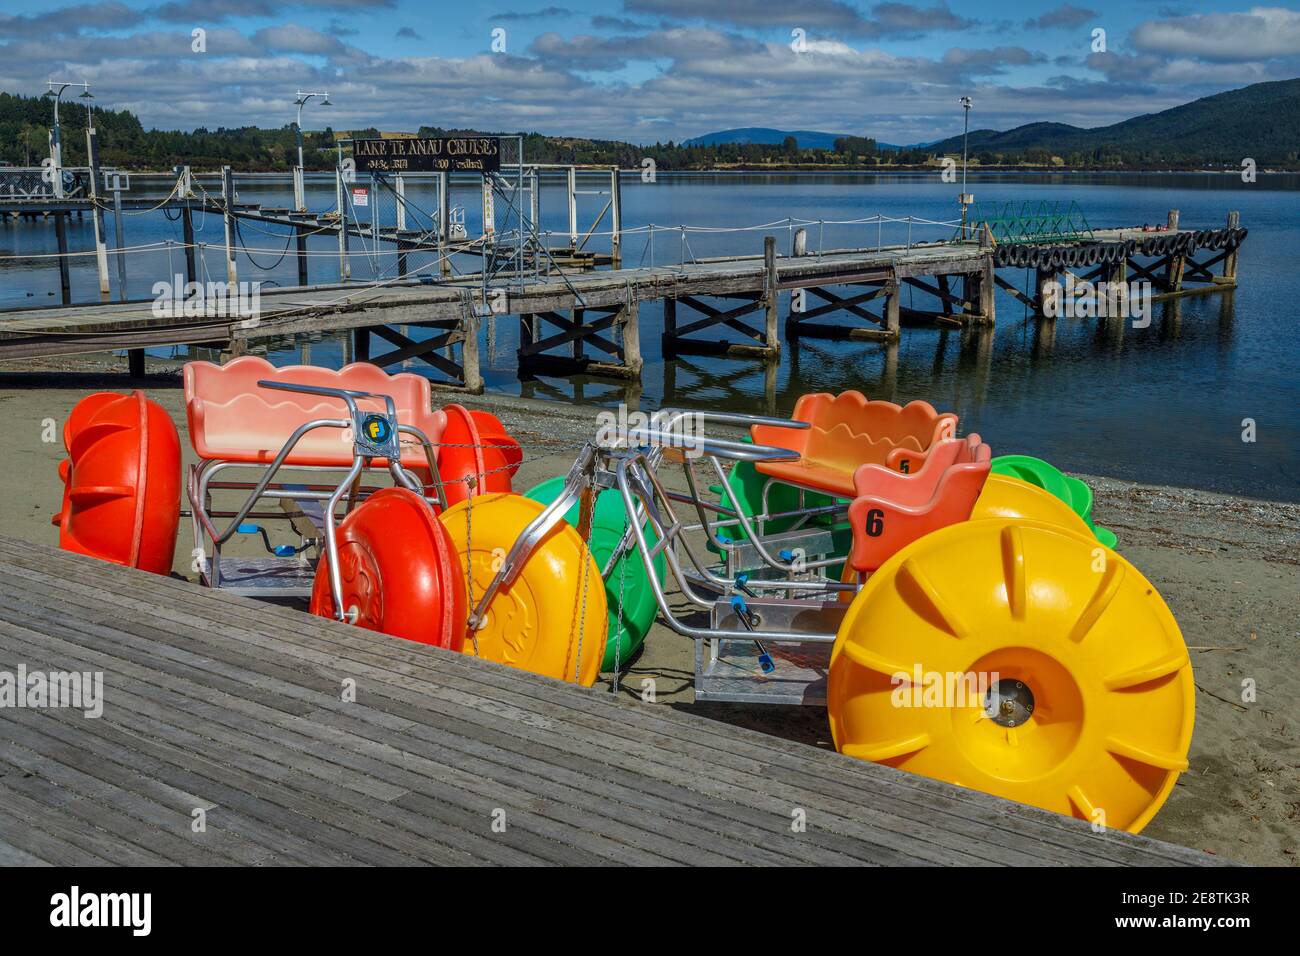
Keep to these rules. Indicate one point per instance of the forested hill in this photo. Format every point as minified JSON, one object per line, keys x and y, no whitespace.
{"x":1260,"y":122}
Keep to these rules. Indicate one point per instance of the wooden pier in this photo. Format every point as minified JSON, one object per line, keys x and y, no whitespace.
{"x":227,"y":736}
{"x":586,"y":320}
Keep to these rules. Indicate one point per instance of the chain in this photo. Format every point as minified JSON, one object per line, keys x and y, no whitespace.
{"x":586,"y":575}
{"x":618,"y":621}
{"x":471,"y":481}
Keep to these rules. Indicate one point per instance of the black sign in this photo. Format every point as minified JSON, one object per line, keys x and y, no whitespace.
{"x":453,"y":154}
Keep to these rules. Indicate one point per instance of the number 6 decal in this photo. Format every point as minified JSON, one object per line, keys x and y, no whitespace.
{"x":875,"y":522}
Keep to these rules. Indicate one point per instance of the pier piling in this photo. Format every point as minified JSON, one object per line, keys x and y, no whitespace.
{"x":228,"y":201}
{"x":576,"y":318}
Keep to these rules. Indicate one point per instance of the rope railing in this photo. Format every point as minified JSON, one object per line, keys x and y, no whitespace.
{"x":647,"y":229}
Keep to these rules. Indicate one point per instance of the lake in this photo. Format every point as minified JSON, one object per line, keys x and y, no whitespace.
{"x":1163,"y":404}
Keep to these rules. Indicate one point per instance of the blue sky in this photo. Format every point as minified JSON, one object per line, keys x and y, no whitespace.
{"x":646,"y":70}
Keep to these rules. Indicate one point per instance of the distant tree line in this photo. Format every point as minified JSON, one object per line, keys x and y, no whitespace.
{"x":124,"y":142}
{"x":25,"y":123}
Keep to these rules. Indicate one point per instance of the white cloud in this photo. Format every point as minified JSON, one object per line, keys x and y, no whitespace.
{"x":682,"y":81}
{"x":1258,"y":34}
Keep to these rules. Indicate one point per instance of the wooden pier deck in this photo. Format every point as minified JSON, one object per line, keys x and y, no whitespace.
{"x":588,"y":321}
{"x":221,"y":705}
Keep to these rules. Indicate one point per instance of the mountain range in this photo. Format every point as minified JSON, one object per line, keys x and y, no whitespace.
{"x":764,"y":136}
{"x":1261,"y":122}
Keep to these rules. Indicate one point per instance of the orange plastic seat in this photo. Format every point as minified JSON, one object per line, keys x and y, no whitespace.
{"x":891,"y":509}
{"x":232,"y":419}
{"x":848,"y":431}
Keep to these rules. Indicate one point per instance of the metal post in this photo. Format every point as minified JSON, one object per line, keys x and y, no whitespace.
{"x":299,"y":171}
{"x":299,"y":198}
{"x":121,"y":243}
{"x":966,"y":104}
{"x":97,"y":211}
{"x":534,"y":197}
{"x":616,"y":217}
{"x":443,"y":213}
{"x":228,"y":202}
{"x":399,"y":189}
{"x":341,"y":200}
{"x":187,"y":223}
{"x":489,"y":209}
{"x":572,"y":183}
{"x":56,"y":153}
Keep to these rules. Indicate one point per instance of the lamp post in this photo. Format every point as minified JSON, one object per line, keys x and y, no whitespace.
{"x":54,"y":89}
{"x":966,"y":198}
{"x":299,"y":191}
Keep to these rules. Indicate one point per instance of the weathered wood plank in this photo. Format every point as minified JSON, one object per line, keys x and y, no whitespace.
{"x":238,"y":703}
{"x":908,"y":778}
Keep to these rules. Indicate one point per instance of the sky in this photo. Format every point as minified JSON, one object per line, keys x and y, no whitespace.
{"x":647,"y":70}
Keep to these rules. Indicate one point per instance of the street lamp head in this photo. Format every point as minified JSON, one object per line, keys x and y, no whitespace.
{"x":966,"y":102}
{"x":86,"y":95}
{"x":326,"y":101}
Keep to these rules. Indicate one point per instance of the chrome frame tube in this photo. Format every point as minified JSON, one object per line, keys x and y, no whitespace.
{"x":331,"y":537}
{"x":535,"y":530}
{"x":622,"y":482}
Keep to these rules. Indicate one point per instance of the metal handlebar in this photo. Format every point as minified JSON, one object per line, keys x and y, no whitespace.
{"x":346,"y":395}
{"x":674,"y":415}
{"x":715,"y":447}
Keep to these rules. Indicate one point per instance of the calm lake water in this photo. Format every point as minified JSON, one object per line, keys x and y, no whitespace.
{"x":1164,"y":404}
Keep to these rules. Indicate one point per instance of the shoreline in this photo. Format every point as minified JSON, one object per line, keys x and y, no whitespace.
{"x":1227,"y":565}
{"x":103,"y":371}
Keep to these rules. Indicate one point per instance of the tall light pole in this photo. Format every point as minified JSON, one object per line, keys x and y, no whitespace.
{"x":965,"y":199}
{"x":54,"y":89}
{"x":299,"y":190}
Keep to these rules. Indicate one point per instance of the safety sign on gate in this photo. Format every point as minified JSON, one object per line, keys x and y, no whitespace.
{"x":360,"y":196}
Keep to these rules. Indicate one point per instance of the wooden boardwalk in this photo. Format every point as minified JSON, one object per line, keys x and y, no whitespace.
{"x":588,"y":321}
{"x":235,"y":708}
{"x":328,"y":306}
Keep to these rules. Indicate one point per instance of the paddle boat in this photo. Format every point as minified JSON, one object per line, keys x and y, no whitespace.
{"x":902,"y":560}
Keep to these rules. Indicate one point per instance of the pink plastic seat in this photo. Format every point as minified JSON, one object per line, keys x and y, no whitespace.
{"x":231,"y":418}
{"x":848,"y":430}
{"x":892,"y":509}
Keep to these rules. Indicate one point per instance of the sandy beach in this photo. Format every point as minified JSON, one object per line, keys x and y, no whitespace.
{"x":1229,"y":568}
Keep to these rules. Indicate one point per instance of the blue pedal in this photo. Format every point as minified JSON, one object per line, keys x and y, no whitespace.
{"x":766,"y":663}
